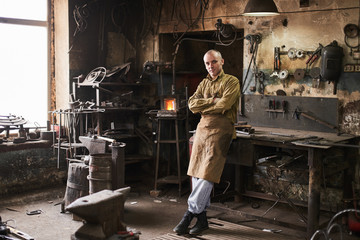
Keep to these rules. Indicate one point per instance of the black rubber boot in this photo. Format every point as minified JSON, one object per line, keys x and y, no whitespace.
{"x":201,"y":224}
{"x":183,"y":225}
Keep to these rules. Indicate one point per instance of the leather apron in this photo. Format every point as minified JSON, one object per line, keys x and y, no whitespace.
{"x":211,"y":144}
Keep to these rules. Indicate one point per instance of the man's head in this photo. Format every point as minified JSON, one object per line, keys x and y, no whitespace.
{"x":213,"y":62}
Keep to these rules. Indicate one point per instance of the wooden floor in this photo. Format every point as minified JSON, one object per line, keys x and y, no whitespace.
{"x":223,"y":230}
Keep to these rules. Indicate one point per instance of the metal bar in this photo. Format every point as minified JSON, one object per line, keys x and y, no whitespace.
{"x":23,"y":22}
{"x":319,"y":121}
{"x":59,"y":141}
{"x":157,"y":153}
{"x":54,"y":133}
{"x":314,"y":162}
{"x":178,"y":154}
{"x":332,"y":144}
{"x":106,"y":139}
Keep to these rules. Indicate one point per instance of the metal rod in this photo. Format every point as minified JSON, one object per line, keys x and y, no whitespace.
{"x":178,"y":154}
{"x":54,"y":133}
{"x":59,"y":141}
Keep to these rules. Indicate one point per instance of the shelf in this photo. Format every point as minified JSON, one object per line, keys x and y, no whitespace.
{"x":122,"y":109}
{"x":121,"y":136}
{"x":172,"y":141}
{"x":126,"y":84}
{"x":115,"y":84}
{"x":136,"y":158}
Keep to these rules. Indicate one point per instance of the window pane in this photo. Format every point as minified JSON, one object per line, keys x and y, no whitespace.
{"x":24,"y":9}
{"x":23,"y":67}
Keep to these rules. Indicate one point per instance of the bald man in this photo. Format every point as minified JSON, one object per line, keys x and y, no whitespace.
{"x":216,"y":99}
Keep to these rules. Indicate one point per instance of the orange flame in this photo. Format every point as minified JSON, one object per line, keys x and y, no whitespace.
{"x":170,"y":104}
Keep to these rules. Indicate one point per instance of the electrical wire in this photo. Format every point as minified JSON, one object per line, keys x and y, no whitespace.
{"x":203,"y":7}
{"x":151,"y":12}
{"x":231,"y":42}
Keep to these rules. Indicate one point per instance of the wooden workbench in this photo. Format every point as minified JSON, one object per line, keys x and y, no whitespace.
{"x":242,"y":155}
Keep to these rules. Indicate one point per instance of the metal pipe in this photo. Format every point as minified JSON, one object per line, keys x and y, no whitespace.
{"x":54,"y":133}
{"x":314,"y":162}
{"x":59,"y":141}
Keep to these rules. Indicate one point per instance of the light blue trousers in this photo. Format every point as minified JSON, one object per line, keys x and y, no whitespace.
{"x":199,"y":198}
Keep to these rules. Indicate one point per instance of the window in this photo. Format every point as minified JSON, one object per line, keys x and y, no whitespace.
{"x":24,"y":60}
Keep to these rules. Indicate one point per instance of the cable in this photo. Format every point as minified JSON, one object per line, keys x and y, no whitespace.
{"x":223,"y":30}
{"x":203,"y":7}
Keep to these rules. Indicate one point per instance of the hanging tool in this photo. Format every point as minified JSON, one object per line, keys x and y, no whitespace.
{"x":272,"y":106}
{"x":315,"y":55}
{"x":259,"y":78}
{"x":296,"y":113}
{"x":284,"y":107}
{"x":276,"y":58}
{"x":283,"y":76}
{"x":292,"y":53}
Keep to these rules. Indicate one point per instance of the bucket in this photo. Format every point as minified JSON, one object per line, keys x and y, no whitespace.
{"x":99,"y":172}
{"x":77,"y":184}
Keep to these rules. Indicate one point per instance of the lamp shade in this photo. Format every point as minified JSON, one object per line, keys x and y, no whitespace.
{"x":260,"y":8}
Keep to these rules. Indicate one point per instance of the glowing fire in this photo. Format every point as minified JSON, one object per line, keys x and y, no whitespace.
{"x":170,"y":104}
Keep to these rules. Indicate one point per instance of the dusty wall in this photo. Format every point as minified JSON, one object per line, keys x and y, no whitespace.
{"x":29,"y":168}
{"x":300,"y":28}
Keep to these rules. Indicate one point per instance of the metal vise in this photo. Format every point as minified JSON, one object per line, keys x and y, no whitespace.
{"x":102,"y":212}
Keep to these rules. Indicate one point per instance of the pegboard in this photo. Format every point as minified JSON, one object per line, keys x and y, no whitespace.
{"x":256,"y":112}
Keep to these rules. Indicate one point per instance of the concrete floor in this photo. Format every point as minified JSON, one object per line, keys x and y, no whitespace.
{"x":153,"y":217}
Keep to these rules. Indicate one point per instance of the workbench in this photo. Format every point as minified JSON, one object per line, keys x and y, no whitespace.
{"x":242,"y":151}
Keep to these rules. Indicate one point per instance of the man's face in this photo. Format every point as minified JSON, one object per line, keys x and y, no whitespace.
{"x":213,"y":64}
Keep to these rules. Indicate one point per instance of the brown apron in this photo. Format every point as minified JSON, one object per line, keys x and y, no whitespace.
{"x":211,"y":144}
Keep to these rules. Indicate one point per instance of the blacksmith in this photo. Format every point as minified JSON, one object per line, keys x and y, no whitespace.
{"x":216,"y":99}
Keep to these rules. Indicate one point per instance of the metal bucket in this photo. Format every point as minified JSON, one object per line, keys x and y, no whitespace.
{"x":77,"y":184}
{"x":100,"y":172}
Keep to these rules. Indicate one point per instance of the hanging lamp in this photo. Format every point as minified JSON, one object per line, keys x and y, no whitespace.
{"x":260,"y":8}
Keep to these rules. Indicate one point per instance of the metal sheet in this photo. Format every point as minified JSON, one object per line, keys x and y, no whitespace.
{"x":324,"y":109}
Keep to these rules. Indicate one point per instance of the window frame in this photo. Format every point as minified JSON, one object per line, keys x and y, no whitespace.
{"x":39,"y":23}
